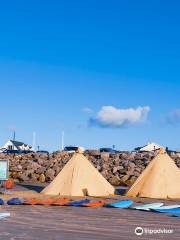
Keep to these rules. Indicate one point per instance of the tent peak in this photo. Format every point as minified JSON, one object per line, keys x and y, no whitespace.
{"x":80,"y":150}
{"x":162,"y":151}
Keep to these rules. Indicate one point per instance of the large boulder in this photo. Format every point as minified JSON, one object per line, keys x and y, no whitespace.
{"x":42,"y":178}
{"x":50,"y":174}
{"x":119,"y":168}
{"x":115,"y":181}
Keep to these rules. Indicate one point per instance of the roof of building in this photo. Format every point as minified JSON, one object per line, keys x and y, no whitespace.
{"x":18,"y":144}
{"x":149,"y":147}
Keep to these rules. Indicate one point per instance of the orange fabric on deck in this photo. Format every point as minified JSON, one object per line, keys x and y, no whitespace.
{"x":61,"y":202}
{"x":32,"y":201}
{"x":9,"y":184}
{"x":95,"y":204}
{"x":48,"y":201}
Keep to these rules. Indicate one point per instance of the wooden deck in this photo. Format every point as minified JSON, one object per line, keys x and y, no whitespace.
{"x":54,"y":223}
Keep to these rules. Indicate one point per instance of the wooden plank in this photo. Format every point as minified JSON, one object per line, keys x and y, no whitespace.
{"x":38,"y":222}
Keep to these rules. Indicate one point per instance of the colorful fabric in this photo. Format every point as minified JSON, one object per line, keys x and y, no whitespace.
{"x":1,"y":201}
{"x":15,"y":201}
{"x":78,"y":203}
{"x":95,"y":204}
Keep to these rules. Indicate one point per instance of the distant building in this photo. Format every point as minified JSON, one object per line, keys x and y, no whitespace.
{"x":150,"y":147}
{"x":16,"y":145}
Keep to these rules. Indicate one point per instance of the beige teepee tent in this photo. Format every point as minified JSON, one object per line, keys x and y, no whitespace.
{"x":79,"y":178}
{"x":161,"y":179}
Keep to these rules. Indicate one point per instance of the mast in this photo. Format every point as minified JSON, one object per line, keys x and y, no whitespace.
{"x":34,"y":141}
{"x":62,"y":140}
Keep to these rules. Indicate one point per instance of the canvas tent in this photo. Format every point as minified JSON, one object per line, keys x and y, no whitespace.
{"x":161,"y":179}
{"x":79,"y":178}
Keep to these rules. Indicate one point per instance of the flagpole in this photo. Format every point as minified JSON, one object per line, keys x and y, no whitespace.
{"x":62,"y":140}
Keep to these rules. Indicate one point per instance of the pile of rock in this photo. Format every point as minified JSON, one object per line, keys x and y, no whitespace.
{"x":118,"y":169}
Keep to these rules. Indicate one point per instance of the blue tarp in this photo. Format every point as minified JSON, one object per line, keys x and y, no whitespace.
{"x":78,"y":203}
{"x":14,"y":201}
{"x":1,"y":201}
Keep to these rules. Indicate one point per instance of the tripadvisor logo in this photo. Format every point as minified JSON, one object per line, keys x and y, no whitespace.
{"x":139,"y":231}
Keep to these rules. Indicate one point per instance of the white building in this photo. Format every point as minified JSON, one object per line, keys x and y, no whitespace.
{"x":150,"y":147}
{"x":16,"y":145}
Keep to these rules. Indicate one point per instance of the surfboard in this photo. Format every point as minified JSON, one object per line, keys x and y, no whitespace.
{"x":147,"y":207}
{"x":172,"y":210}
{"x":4,"y":215}
{"x":169,"y":207}
{"x":121,"y":204}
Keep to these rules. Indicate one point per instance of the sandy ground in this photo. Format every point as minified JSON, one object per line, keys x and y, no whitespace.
{"x":50,"y":222}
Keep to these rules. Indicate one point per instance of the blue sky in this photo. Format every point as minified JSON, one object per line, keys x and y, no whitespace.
{"x":61,"y":62}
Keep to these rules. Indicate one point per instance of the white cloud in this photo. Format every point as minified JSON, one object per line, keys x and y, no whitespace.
{"x":112,"y":117}
{"x":87,"y":110}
